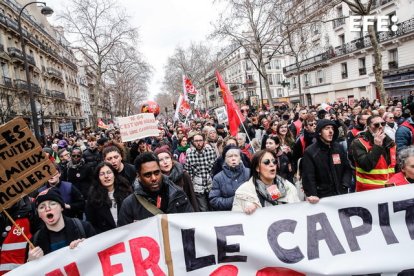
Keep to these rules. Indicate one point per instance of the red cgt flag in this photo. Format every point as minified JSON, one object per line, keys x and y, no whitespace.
{"x":233,"y":110}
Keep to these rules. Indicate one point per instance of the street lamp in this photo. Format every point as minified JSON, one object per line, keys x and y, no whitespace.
{"x":45,"y":11}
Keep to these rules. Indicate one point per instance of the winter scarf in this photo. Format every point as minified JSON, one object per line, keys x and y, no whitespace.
{"x":261,"y":188}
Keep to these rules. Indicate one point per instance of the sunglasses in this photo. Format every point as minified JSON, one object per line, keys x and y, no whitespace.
{"x":377,"y":125}
{"x":311,"y":124}
{"x":244,"y":110}
{"x":149,"y":174}
{"x":76,"y":155}
{"x":268,"y":161}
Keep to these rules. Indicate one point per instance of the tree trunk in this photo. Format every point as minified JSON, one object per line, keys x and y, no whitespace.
{"x":379,"y":81}
{"x":266,"y":83}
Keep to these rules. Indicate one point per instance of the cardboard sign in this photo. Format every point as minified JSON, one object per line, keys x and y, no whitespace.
{"x":24,"y":167}
{"x":221,"y":114}
{"x":373,"y":231}
{"x":138,"y":126}
{"x":66,"y":127}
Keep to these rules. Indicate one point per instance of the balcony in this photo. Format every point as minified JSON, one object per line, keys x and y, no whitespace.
{"x":362,"y":71}
{"x":23,"y":86}
{"x":379,"y":3}
{"x":55,"y":94}
{"x":404,"y":28}
{"x":393,"y":65}
{"x":338,"y":22}
{"x":70,"y":63}
{"x":250,"y":83}
{"x":8,"y":82}
{"x":54,"y":73}
{"x":15,"y":53}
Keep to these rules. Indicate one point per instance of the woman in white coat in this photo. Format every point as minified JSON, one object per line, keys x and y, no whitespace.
{"x":265,"y":187}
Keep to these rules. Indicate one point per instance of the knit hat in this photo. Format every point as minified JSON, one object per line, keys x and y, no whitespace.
{"x":163,"y":149}
{"x":48,"y":150}
{"x":50,"y":194}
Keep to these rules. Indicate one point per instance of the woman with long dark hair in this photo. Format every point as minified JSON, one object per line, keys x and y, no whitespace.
{"x":265,"y":187}
{"x":106,"y":195}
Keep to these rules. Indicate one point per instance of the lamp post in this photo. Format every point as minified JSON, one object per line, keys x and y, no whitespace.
{"x":45,"y":11}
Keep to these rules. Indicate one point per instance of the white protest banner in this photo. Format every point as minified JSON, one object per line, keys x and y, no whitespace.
{"x":221,"y":114}
{"x":362,"y":233}
{"x":138,"y":126}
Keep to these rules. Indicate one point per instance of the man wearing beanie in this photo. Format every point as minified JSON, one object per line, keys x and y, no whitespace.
{"x":58,"y":230}
{"x":325,"y":171}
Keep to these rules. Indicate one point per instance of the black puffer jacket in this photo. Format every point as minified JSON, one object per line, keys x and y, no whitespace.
{"x":326,"y":171}
{"x":173,"y":200}
{"x":93,"y":158}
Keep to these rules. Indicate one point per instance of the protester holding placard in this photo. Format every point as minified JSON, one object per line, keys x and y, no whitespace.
{"x":154,"y":193}
{"x":264,"y":188}
{"x":58,"y":230}
{"x":12,"y":242}
{"x":105,"y":198}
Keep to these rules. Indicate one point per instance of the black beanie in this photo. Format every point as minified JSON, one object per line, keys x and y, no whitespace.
{"x":50,"y":194}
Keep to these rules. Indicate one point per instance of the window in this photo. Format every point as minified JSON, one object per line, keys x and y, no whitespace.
{"x":362,"y":69}
{"x":270,"y":79}
{"x":319,"y":76}
{"x":294,"y":82}
{"x":393,"y":59}
{"x":280,"y":92}
{"x":341,"y":39}
{"x":344,"y":70}
{"x":306,"y":79}
{"x":278,"y":78}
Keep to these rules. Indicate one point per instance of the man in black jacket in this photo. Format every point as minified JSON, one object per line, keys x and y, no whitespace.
{"x":326,"y":171}
{"x":154,"y":193}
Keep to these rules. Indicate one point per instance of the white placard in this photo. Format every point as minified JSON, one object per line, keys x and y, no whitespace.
{"x":138,"y":126}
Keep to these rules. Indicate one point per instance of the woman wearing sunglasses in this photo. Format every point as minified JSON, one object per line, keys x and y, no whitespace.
{"x":265,"y":187}
{"x":106,"y":195}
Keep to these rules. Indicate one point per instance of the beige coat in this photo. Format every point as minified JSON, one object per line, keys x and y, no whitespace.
{"x":246,"y":194}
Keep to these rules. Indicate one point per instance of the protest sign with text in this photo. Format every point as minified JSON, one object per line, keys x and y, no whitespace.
{"x":138,"y":126}
{"x":24,"y":167}
{"x":361,"y":233}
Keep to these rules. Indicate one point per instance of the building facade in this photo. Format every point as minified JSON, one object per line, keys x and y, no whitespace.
{"x":244,"y":81}
{"x":340,"y":67}
{"x":53,"y":71}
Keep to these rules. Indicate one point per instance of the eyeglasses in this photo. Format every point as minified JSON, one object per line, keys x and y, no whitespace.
{"x":198,"y":141}
{"x":76,"y":155}
{"x":42,"y":206}
{"x":149,"y":174}
{"x":391,"y":118}
{"x":268,"y":161}
{"x":244,"y":110}
{"x":106,"y":173}
{"x":311,"y":124}
{"x":377,"y":125}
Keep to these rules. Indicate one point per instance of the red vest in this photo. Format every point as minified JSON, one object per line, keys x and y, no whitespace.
{"x":298,"y":126}
{"x":302,"y":142}
{"x":13,"y":249}
{"x":355,"y":132}
{"x":398,"y":179}
{"x":379,"y":175}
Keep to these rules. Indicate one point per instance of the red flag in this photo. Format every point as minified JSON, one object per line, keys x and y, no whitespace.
{"x":233,"y":110}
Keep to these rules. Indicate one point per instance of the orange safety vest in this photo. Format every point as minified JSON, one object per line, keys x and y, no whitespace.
{"x":355,"y":132}
{"x":398,"y":179}
{"x":298,"y":126}
{"x":13,"y":249}
{"x":379,"y":175}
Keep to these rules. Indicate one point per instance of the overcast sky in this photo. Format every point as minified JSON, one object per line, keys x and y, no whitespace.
{"x":162,"y":25}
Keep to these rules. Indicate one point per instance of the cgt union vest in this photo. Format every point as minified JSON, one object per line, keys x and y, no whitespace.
{"x":379,"y":175}
{"x":13,"y":249}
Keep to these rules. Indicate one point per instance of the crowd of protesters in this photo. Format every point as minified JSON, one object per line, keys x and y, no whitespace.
{"x":279,"y":156}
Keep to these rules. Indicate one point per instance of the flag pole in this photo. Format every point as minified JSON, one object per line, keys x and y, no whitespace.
{"x":245,"y":130}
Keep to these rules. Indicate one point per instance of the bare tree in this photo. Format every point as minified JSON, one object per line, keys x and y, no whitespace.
{"x":194,"y":62}
{"x":98,"y":26}
{"x":252,"y":25}
{"x":128,"y":76}
{"x":363,"y":8}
